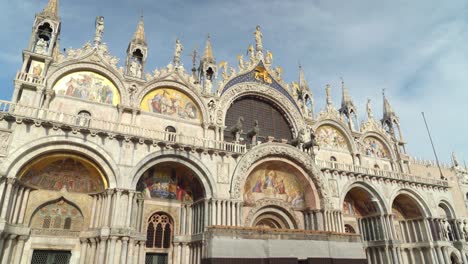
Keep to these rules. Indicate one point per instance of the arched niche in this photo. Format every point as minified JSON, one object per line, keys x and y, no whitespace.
{"x":279,"y":180}
{"x":331,"y":138}
{"x":273,"y":217}
{"x":374,"y":147}
{"x":88,"y":85}
{"x":171,"y":181}
{"x":171,"y":102}
{"x":445,"y":211}
{"x":358,"y":202}
{"x":272,"y":120}
{"x":57,"y":171}
{"x":405,"y":207}
{"x":58,"y":215}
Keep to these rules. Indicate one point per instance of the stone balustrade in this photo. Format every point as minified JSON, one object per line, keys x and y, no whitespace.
{"x":112,"y":129}
{"x":29,"y":78}
{"x":351,"y":168}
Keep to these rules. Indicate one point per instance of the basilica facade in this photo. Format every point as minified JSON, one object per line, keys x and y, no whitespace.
{"x":109,"y":163}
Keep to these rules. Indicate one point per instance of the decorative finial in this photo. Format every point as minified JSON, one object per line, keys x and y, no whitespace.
{"x":51,"y":10}
{"x":370,"y":115}
{"x":99,"y":30}
{"x":328,"y":90}
{"x":208,"y":53}
{"x":139,"y":36}
{"x":177,"y":52}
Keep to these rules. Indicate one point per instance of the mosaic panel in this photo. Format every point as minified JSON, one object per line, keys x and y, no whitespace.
{"x":171,"y":102}
{"x":331,"y":138}
{"x":274,"y":181}
{"x":170,"y":181}
{"x":88,"y":86}
{"x":373,"y":147}
{"x":58,"y":171}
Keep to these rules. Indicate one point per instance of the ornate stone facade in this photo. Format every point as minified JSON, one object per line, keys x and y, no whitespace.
{"x":107,"y":164}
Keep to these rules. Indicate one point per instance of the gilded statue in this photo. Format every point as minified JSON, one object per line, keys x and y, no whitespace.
{"x":268,"y":57}
{"x":240,"y":58}
{"x":261,"y":74}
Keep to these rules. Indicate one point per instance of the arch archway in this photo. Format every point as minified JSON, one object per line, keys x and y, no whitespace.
{"x":57,"y":170}
{"x":28,"y":152}
{"x":270,"y":117}
{"x":172,"y":181}
{"x":110,"y":74}
{"x":58,"y":215}
{"x":195,"y":165}
{"x":240,"y":90}
{"x":284,"y":152}
{"x":409,"y":219}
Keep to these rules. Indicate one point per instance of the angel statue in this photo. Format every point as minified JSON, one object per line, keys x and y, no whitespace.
{"x":369,"y":109}
{"x":251,"y":52}
{"x":99,"y":30}
{"x":224,"y":65}
{"x":178,"y":52}
{"x":258,"y":39}
{"x":240,"y":58}
{"x":278,"y":71}
{"x":269,"y":57}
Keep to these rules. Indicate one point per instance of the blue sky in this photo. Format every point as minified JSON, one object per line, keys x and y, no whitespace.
{"x":417,"y":50}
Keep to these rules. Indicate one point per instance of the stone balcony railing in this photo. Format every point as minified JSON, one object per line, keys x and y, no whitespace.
{"x":113,"y":129}
{"x":29,"y":78}
{"x":355,"y":169}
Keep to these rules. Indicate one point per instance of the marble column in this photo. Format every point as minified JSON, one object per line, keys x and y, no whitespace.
{"x":123,"y":254}
{"x":23,"y":205}
{"x":111,"y":253}
{"x":102,"y":250}
{"x":83,"y":249}
{"x":131,"y":246}
{"x":19,"y":249}
{"x":6,"y":200}
{"x":7,"y":250}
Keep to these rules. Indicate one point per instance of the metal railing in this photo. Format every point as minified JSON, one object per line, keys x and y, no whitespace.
{"x":380,"y":173}
{"x":93,"y":124}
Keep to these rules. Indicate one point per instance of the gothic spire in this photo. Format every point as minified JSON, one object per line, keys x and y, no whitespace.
{"x":346,"y":101}
{"x":387,"y":109}
{"x":139,"y":36}
{"x":302,"y":81}
{"x":51,"y":10}
{"x":208,"y":53}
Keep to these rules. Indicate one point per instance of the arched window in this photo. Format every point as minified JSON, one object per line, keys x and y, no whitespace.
{"x":376,"y":166}
{"x":171,"y":136}
{"x":333,"y":158}
{"x":46,"y":222}
{"x":83,"y":118}
{"x":68,"y":223}
{"x":159,"y":232}
{"x":349,"y":229}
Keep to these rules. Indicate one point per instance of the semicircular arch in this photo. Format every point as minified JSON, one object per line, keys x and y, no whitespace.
{"x":278,"y":150}
{"x":369,"y":189}
{"x":384,"y":140}
{"x":107,"y":72}
{"x":292,"y":114}
{"x":55,"y":144}
{"x":344,"y":130}
{"x":448,"y":208}
{"x":415,"y":196}
{"x":182,"y":88}
{"x":196,"y":165}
